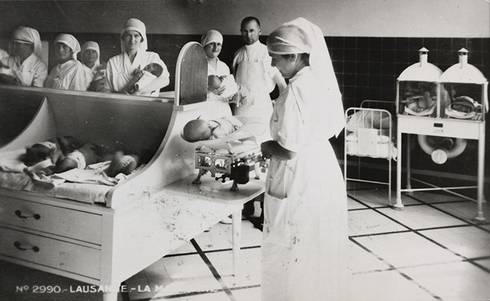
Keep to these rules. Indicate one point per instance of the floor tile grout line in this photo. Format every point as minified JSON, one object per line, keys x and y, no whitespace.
{"x":380,"y":233}
{"x":406,"y":231}
{"x":405,"y":205}
{"x":230,"y":249}
{"x":450,"y":214}
{"x":427,"y":238}
{"x":392,"y":267}
{"x":244,"y":287}
{"x":212,"y":251}
{"x":480,"y":266}
{"x":213,"y":270}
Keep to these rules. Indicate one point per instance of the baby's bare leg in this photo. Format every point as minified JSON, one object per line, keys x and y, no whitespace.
{"x":64,"y":165}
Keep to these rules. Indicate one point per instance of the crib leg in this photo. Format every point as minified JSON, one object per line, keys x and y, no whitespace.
{"x":409,"y":172}
{"x":399,"y":203}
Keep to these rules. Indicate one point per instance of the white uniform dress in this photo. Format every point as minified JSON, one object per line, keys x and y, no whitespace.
{"x":120,"y":71}
{"x":254,"y":75}
{"x":305,"y":205}
{"x":71,"y":75}
{"x":32,"y":72}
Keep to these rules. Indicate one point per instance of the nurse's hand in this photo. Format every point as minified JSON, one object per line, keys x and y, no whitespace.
{"x":266,"y":149}
{"x":273,"y":149}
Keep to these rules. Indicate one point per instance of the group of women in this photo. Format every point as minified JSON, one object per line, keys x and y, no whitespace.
{"x":305,"y":227}
{"x":23,"y":64}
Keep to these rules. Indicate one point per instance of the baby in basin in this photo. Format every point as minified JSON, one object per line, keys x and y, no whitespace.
{"x":200,"y":129}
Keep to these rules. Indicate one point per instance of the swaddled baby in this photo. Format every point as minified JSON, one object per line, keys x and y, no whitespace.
{"x":214,"y":82}
{"x":200,"y":129}
{"x":142,"y":77}
{"x":222,"y":87}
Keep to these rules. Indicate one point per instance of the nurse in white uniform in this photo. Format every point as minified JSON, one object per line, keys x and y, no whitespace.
{"x":25,"y":62}
{"x":90,"y":57}
{"x":305,"y":206}
{"x":256,"y":78}
{"x":69,"y":73}
{"x":212,"y":41}
{"x":122,"y":68}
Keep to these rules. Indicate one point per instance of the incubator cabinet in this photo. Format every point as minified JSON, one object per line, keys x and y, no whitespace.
{"x":443,"y":107}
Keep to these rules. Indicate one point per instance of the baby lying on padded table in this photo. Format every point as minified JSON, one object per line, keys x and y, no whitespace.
{"x":200,"y":129}
{"x":65,"y":153}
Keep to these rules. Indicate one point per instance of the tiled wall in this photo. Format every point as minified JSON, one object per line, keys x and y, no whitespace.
{"x":367,"y":67}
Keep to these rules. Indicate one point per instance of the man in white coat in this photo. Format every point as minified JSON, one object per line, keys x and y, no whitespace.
{"x":256,"y":78}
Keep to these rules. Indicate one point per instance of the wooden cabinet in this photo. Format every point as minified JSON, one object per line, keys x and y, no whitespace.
{"x":52,"y":219}
{"x":51,"y":252}
{"x":53,"y":235}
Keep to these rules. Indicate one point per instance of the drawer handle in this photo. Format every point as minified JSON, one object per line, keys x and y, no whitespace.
{"x":20,"y":215}
{"x":22,"y":247}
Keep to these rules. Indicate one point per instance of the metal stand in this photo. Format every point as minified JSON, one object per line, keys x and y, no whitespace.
{"x":443,"y":128}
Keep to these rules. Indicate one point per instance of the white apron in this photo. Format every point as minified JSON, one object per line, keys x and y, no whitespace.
{"x":253,"y":70}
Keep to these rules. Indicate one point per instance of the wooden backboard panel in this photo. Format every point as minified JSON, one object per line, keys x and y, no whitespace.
{"x":191,"y":75}
{"x":16,"y":112}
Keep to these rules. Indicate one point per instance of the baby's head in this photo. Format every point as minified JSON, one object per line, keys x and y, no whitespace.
{"x":214,"y":82}
{"x":38,"y":152}
{"x":197,"y":129}
{"x":154,"y":69}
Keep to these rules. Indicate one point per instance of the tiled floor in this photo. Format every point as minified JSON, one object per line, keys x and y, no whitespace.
{"x":430,"y":250}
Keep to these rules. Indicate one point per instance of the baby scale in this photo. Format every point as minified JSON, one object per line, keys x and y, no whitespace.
{"x":228,"y":160}
{"x":432,"y":103}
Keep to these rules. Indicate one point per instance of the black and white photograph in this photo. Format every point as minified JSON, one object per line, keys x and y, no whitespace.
{"x":244,"y":150}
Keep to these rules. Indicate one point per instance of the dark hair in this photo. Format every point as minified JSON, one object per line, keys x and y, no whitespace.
{"x":249,"y":19}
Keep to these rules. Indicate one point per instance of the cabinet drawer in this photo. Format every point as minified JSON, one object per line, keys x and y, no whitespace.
{"x":50,"y":252}
{"x":66,"y":222}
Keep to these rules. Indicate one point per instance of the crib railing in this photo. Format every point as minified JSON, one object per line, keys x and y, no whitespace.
{"x":369,"y":133}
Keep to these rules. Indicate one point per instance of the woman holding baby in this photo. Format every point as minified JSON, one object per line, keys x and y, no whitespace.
{"x":135,"y":70}
{"x":221,"y":83}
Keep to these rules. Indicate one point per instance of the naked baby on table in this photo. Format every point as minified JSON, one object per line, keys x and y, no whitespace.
{"x":65,"y":153}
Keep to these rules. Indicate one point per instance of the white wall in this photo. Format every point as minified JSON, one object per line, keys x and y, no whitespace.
{"x":393,"y":18}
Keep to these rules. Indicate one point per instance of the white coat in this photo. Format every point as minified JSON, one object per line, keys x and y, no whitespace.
{"x":120,"y":71}
{"x":32,"y":72}
{"x":254,"y":75}
{"x":305,"y":205}
{"x":71,"y":75}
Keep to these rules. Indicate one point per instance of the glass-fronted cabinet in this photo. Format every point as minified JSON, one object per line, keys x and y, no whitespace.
{"x":417,"y":88}
{"x":463,"y":90}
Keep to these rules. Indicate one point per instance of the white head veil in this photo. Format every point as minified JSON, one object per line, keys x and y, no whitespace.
{"x":136,"y":25}
{"x":211,"y":36}
{"x":69,"y":41}
{"x":302,"y":36}
{"x":29,"y":35}
{"x":93,"y":46}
